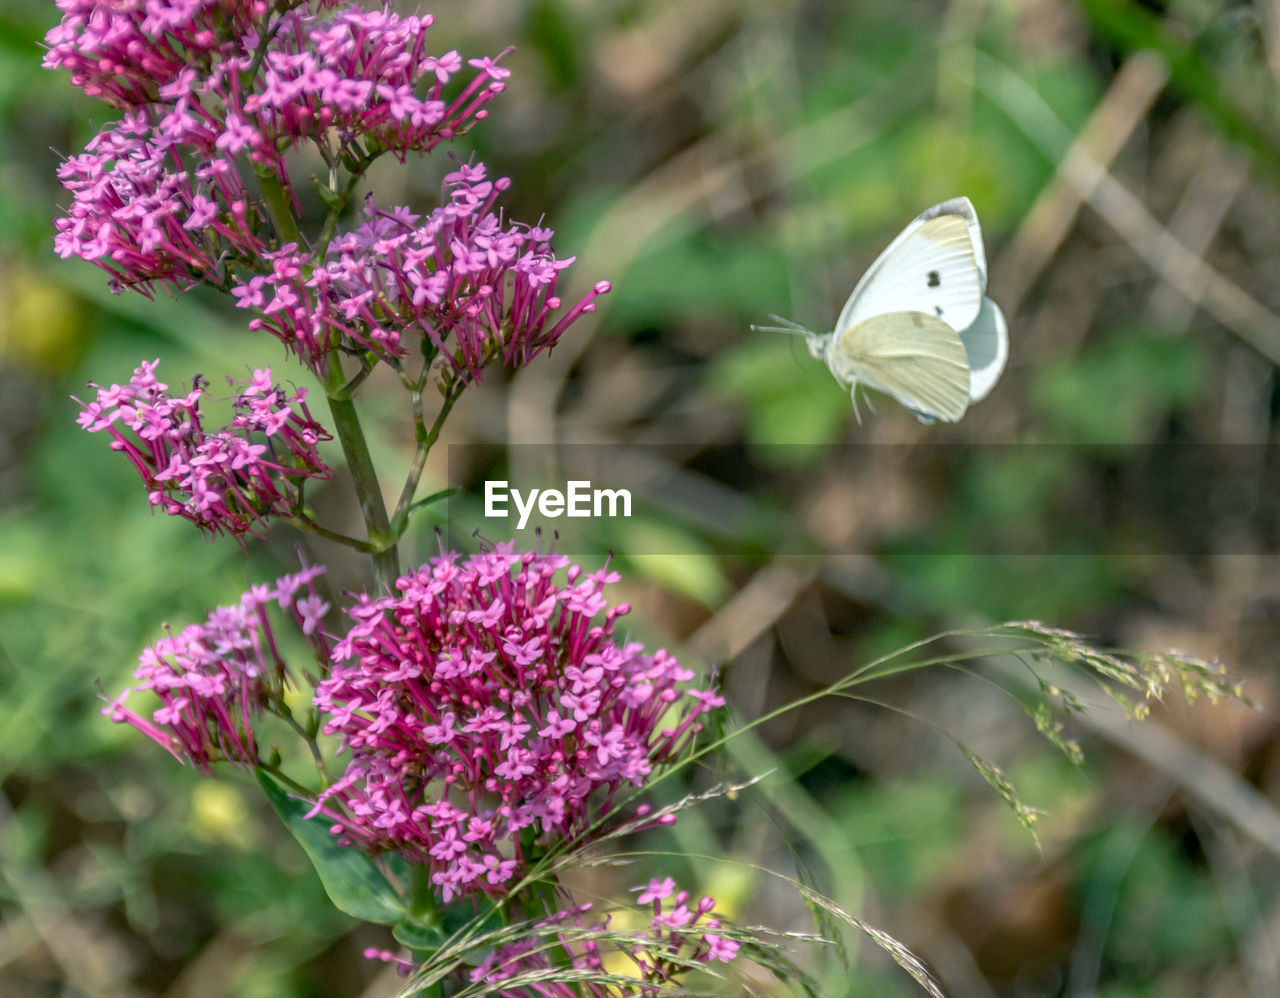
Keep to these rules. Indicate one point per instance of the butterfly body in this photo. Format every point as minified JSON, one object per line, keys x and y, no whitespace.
{"x":918,"y":325}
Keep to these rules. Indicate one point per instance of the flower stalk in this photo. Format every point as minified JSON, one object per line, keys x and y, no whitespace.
{"x":364,"y":477}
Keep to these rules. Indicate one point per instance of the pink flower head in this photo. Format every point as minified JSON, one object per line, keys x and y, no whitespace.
{"x":655,"y":891}
{"x":213,"y":679}
{"x":158,"y":194}
{"x":464,"y":743}
{"x":661,"y":957}
{"x":460,"y":282}
{"x":223,"y":481}
{"x":718,"y":948}
{"x":679,"y":927}
{"x":529,"y":956}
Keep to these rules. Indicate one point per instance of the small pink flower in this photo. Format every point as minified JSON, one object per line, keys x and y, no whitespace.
{"x":657,"y":890}
{"x":718,"y":948}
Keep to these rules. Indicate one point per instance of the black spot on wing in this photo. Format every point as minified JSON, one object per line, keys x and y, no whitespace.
{"x":935,"y":279}
{"x":938,"y":309}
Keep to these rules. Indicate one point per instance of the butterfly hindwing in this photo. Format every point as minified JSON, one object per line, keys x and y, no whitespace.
{"x":936,"y":265}
{"x":986,"y":343}
{"x":914,"y":357}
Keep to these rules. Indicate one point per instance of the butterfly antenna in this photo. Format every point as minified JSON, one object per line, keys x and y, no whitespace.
{"x":785,"y":326}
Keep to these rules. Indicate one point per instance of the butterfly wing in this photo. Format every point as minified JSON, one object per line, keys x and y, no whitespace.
{"x":912,"y":356}
{"x":986,"y":343}
{"x":937,"y":265}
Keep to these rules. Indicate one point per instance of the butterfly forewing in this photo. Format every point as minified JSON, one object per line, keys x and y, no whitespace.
{"x":912,"y":356}
{"x":931,"y":267}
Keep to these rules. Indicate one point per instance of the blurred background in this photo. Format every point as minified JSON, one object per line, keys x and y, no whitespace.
{"x":719,"y":161}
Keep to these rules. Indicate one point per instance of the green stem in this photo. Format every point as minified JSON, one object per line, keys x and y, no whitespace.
{"x":382,"y":542}
{"x":314,"y":746}
{"x":382,"y":539}
{"x":330,"y":227}
{"x":268,"y":32}
{"x":304,"y":522}
{"x":346,"y":422}
{"x":279,"y":205}
{"x":426,"y":440}
{"x":366,"y":368}
{"x":286,"y":779}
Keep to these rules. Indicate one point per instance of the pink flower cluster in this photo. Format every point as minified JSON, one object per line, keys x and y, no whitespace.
{"x":209,"y":86}
{"x":213,"y":679}
{"x":224,"y":481}
{"x":675,"y":938}
{"x":671,"y":930}
{"x":460,"y":272}
{"x":487,"y":710}
{"x":120,"y":52}
{"x":502,"y":968}
{"x":145,"y":209}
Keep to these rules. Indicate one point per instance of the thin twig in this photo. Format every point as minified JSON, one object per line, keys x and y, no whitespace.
{"x":1120,"y":208}
{"x":1196,"y":220}
{"x":753,"y":610}
{"x":82,"y":962}
{"x":1046,"y":226}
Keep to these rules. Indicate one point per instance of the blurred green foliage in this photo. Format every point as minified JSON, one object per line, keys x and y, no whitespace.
{"x":776,"y":147}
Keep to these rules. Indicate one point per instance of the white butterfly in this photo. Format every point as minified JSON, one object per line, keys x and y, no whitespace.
{"x":918,"y":326}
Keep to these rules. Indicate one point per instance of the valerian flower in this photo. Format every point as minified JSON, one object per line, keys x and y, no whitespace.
{"x":461,"y":283}
{"x":159,"y":195}
{"x":222,"y":481}
{"x":675,"y":939}
{"x":214,"y":679}
{"x":490,"y":711}
{"x":211,"y":91}
{"x":677,"y":929}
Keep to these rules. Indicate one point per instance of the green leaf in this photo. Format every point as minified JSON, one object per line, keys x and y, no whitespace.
{"x":418,"y":937}
{"x":329,"y":196}
{"x":430,"y":930}
{"x":351,"y":879}
{"x":433,"y":498}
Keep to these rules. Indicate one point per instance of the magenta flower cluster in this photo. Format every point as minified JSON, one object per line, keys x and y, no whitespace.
{"x":222,"y":481}
{"x":677,"y":936}
{"x":676,"y":928}
{"x":503,"y":968}
{"x":487,"y":708}
{"x":460,"y":282}
{"x":144,"y":209}
{"x":209,"y":86}
{"x":214,"y":679}
{"x":120,"y":52}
